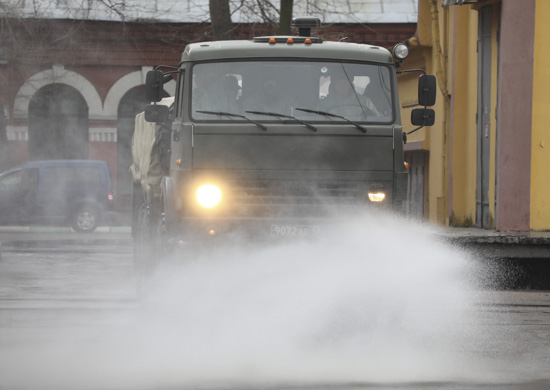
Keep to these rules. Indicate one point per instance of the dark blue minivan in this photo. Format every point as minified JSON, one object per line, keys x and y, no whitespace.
{"x":75,"y":193}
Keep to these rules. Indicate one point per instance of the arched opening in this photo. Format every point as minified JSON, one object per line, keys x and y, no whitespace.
{"x":58,"y":124}
{"x":132,"y":103}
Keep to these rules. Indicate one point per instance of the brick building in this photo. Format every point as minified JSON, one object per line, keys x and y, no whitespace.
{"x":71,"y":88}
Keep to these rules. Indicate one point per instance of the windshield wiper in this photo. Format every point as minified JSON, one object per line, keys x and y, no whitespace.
{"x":230,"y":114}
{"x":275,"y":114}
{"x":330,"y":115}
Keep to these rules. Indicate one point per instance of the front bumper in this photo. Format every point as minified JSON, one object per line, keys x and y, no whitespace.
{"x":201,"y":228}
{"x":261,"y":228}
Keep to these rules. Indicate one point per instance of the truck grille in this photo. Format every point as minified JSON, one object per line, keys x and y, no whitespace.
{"x":287,"y":198}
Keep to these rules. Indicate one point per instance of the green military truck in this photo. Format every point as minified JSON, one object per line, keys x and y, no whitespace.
{"x":272,"y":137}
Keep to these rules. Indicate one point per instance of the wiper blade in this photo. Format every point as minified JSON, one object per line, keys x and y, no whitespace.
{"x":230,"y":114}
{"x":276,"y":114}
{"x":330,"y":115}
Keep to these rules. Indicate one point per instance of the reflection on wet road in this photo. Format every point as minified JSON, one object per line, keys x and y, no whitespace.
{"x":70,"y":318}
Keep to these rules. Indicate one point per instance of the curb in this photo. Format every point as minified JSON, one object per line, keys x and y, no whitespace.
{"x":49,"y":229}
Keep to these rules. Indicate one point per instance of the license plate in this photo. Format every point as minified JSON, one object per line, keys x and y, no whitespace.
{"x":294,"y":230}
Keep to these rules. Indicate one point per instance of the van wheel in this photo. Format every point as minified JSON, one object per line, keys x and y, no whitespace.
{"x":86,"y":219}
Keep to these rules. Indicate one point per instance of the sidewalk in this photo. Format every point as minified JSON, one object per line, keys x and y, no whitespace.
{"x":490,"y":243}
{"x":494,"y":244}
{"x":20,"y":237}
{"x":122,"y":224}
{"x":475,"y":235}
{"x":56,"y":229}
{"x":457,"y":235}
{"x":116,"y":233}
{"x":119,"y":223}
{"x":493,"y":235}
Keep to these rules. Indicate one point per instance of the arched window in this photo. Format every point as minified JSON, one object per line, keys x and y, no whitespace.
{"x":58,"y":124}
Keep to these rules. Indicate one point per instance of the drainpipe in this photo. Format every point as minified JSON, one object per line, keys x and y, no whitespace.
{"x":439,"y":60}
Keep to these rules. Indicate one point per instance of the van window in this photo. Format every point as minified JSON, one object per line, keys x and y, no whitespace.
{"x":82,"y":177}
{"x":19,"y":180}
{"x":11,"y":181}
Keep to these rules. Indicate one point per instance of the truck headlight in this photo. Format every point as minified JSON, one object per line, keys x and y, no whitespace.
{"x":376,"y":193}
{"x":208,"y":195}
{"x":376,"y":196}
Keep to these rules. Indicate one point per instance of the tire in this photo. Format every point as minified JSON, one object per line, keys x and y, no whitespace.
{"x":86,"y":219}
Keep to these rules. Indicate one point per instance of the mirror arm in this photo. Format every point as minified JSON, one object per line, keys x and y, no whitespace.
{"x":411,"y":70}
{"x":176,"y":68}
{"x":167,"y":77}
{"x":412,"y":131}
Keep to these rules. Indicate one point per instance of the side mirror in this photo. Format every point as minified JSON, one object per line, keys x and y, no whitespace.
{"x":157,"y":113}
{"x":423,"y":117}
{"x":427,"y":86}
{"x":153,"y":86}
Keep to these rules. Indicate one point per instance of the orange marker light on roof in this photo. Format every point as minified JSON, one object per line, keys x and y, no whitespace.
{"x":290,"y":40}
{"x":178,"y":162}
{"x":307,"y":41}
{"x":272,"y":40}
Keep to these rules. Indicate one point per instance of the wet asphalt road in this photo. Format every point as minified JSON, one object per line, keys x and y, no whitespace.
{"x":65,"y":292}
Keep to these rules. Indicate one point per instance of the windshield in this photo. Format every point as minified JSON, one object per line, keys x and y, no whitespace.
{"x":349,"y":91}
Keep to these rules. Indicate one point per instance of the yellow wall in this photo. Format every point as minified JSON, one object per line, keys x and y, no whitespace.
{"x":425,"y":54}
{"x":452,"y":141}
{"x":436,"y":136}
{"x":540,"y":147}
{"x":464,"y":107}
{"x":449,"y":50}
{"x":453,"y":146}
{"x":408,"y":91}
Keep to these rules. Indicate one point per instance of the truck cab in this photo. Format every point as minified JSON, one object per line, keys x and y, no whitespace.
{"x":274,"y":136}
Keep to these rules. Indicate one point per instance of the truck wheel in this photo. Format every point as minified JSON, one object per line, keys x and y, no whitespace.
{"x":86,"y":219}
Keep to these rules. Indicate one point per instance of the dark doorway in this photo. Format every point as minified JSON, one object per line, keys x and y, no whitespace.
{"x":58,"y":124}
{"x":132,"y":103}
{"x":483,"y":219}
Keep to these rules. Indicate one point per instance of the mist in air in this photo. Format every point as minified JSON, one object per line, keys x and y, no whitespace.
{"x":371,"y":301}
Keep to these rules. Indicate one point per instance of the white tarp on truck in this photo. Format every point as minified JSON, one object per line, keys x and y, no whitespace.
{"x":146,"y":168}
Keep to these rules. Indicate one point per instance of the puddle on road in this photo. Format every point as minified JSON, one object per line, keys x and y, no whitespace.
{"x":372,"y":301}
